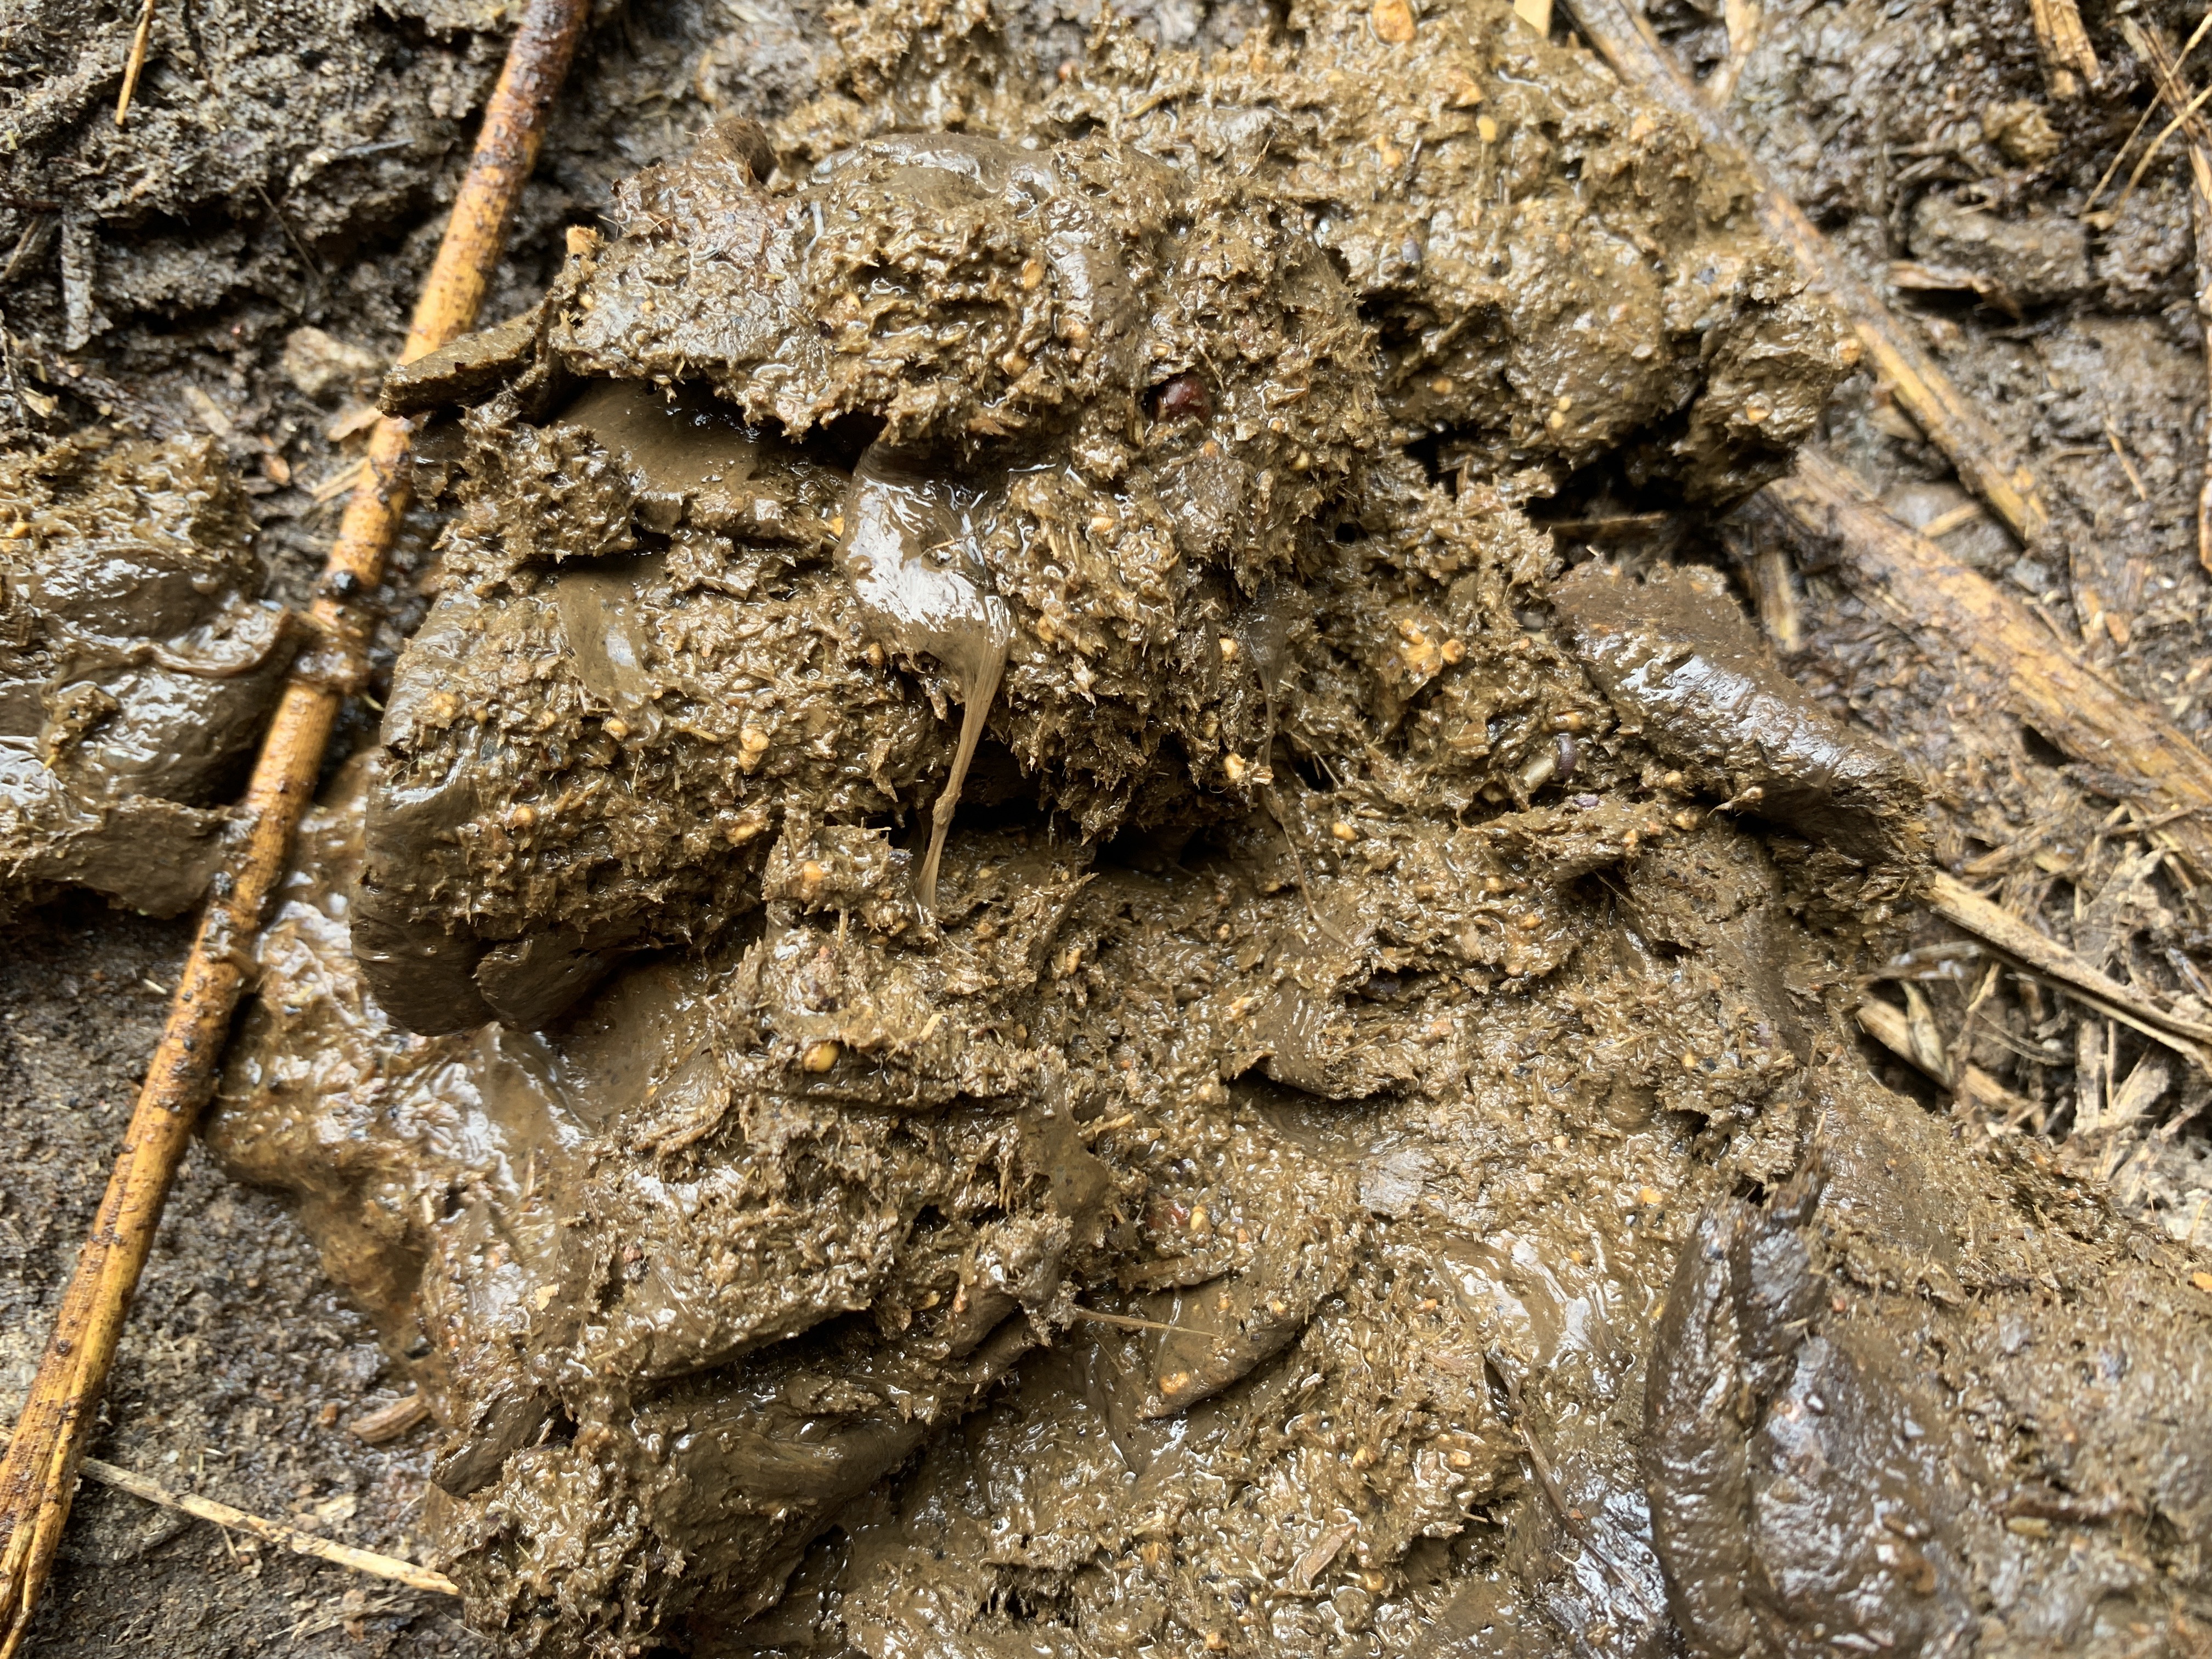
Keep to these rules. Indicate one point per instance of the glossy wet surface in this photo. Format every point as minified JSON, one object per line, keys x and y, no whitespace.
{"x":1361,"y":1148}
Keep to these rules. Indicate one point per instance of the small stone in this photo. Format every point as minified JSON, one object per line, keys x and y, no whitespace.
{"x":320,"y":363}
{"x":1393,"y":21}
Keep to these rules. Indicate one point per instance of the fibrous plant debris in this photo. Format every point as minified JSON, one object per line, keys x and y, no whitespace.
{"x":1361,"y":1144}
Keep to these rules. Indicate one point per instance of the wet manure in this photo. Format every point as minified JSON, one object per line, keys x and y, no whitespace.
{"x":1338,"y":1059}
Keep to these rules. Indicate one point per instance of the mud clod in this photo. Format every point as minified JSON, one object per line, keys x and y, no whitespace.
{"x":136,"y":667}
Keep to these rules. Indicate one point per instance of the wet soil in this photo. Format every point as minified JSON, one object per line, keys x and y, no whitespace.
{"x":1322,"y":1273}
{"x":1936,"y":142}
{"x":244,"y":1362}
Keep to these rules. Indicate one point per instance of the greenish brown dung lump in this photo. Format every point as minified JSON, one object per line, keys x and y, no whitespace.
{"x":136,"y":665}
{"x":665,"y":632}
{"x":1824,"y":1380}
{"x":1139,"y":1269}
{"x":1679,"y":660}
{"x":942,"y":444}
{"x":1557,"y":273}
{"x":1342,"y":1074}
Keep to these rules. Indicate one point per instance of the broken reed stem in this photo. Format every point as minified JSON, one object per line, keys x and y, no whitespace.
{"x":2029,"y":947}
{"x":1986,"y":460}
{"x":39,"y":1473}
{"x":2069,"y":60}
{"x":1973,"y":1086}
{"x":390,"y":1567}
{"x":2157,"y":53}
{"x":1962,"y":618}
{"x":1743,"y":20}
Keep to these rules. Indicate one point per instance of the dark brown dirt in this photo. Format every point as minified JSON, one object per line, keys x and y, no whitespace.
{"x":1927,"y":137}
{"x":264,"y":192}
{"x":242,"y":1363}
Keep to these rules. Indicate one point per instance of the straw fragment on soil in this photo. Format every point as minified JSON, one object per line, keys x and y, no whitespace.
{"x":1959,"y":616}
{"x":376,"y":1565}
{"x":2069,"y":60}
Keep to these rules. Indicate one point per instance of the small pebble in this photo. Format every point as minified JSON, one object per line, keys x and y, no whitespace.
{"x":1393,"y":21}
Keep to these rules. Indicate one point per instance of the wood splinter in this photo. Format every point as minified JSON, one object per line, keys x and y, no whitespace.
{"x":39,"y":1473}
{"x":2069,"y":60}
{"x":391,"y":1568}
{"x":1961,"y":618}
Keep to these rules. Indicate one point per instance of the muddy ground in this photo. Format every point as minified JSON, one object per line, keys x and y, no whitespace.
{"x":283,"y":171}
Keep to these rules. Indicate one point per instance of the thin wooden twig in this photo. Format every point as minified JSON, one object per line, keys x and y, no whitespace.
{"x":39,"y":1474}
{"x":2032,"y":949}
{"x":139,"y":37}
{"x":1961,"y":616}
{"x":1987,"y":462}
{"x":390,"y":1567}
